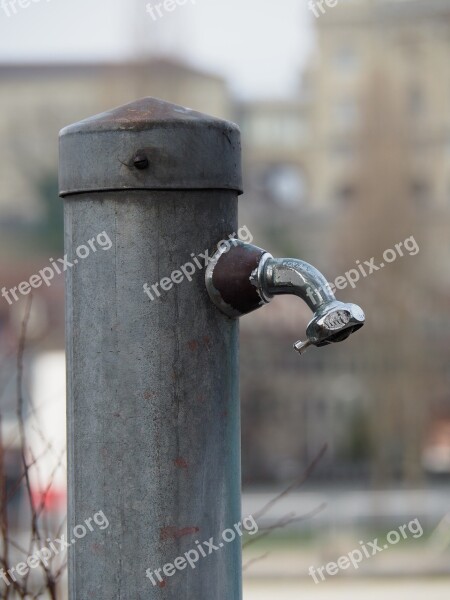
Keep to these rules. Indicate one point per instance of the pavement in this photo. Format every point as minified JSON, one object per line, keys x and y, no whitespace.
{"x":345,"y":507}
{"x":388,"y":589}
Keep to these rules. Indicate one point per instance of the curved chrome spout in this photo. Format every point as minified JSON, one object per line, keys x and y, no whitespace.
{"x":333,"y":321}
{"x":241,"y":277}
{"x":294,"y":276}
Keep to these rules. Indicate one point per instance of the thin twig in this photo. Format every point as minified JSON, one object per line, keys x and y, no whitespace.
{"x":297,"y":483}
{"x":4,"y":505}
{"x":284,"y":522}
{"x":35,"y":528}
{"x":291,"y":517}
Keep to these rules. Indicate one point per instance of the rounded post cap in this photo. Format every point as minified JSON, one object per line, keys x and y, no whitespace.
{"x":149,"y":144}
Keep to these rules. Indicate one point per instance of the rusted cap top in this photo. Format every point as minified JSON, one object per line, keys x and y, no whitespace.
{"x":150,"y":145}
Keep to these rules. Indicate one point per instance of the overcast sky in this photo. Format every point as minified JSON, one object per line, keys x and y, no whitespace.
{"x":259,"y":45}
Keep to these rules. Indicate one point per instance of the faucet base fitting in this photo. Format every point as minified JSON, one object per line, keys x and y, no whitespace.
{"x":232,"y":278}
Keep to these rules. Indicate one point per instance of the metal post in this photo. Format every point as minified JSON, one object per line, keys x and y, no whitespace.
{"x":153,"y":408}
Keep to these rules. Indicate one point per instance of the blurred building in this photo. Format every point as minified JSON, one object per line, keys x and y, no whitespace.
{"x":356,"y":162}
{"x":373,"y":158}
{"x":275,"y":138}
{"x":36,"y":101}
{"x":405,"y":44}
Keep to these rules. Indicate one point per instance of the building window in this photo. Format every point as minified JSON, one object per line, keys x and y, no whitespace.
{"x":286,"y":184}
{"x":346,"y":59}
{"x":343,"y":151}
{"x":346,"y":112}
{"x":345,"y":194}
{"x":280,"y":131}
{"x":416,"y":101}
{"x":420,"y":192}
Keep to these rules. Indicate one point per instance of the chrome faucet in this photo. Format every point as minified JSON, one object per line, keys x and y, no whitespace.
{"x":241,"y":277}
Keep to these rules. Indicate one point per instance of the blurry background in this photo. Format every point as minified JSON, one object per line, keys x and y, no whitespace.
{"x":345,"y":119}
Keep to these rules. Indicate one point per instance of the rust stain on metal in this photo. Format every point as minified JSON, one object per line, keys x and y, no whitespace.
{"x":172,"y":533}
{"x":142,"y":115}
{"x":231,"y":278}
{"x":193,"y":345}
{"x":181,"y":462}
{"x":162,"y":584}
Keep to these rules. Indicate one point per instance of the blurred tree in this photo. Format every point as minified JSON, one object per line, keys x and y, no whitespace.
{"x":394,"y":358}
{"x":18,"y":485}
{"x":358,"y":444}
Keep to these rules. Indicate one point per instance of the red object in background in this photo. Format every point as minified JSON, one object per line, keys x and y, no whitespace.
{"x":53,"y":500}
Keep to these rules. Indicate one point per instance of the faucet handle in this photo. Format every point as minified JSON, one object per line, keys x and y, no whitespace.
{"x":302,"y":347}
{"x":333,"y":322}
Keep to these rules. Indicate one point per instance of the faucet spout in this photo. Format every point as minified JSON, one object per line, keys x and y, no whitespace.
{"x":297,"y":277}
{"x":333,"y":321}
{"x":243,"y":277}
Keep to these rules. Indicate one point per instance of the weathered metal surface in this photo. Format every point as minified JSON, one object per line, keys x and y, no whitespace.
{"x":98,"y":154}
{"x":228,"y":278}
{"x":153,"y":406}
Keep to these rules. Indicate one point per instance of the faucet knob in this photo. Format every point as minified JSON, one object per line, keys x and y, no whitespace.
{"x":333,"y":322}
{"x":302,"y":347}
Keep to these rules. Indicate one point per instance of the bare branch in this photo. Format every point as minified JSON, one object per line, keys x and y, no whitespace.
{"x":297,"y":483}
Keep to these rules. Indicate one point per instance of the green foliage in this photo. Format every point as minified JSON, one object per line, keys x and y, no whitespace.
{"x":359,"y":442}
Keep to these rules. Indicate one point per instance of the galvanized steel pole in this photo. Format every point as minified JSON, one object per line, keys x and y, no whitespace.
{"x":153,"y":407}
